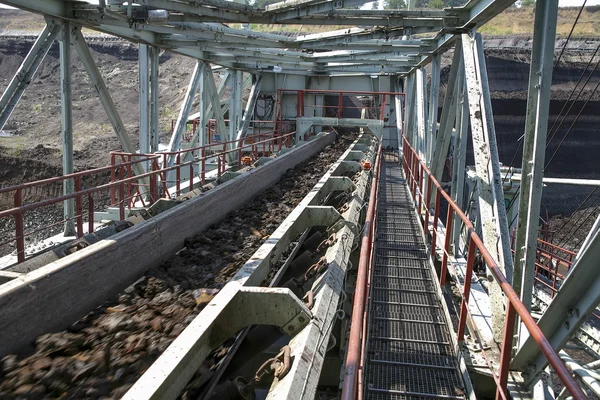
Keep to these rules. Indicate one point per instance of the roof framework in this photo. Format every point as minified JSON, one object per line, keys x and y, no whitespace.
{"x":371,"y":42}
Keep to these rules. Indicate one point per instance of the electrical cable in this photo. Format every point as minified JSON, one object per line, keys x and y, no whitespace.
{"x":573,"y":124}
{"x":578,"y":209}
{"x":574,"y":227}
{"x":570,"y":34}
{"x":582,"y":224}
{"x":571,"y":94}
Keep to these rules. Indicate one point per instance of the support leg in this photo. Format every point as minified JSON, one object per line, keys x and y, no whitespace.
{"x":534,"y":147}
{"x":67,"y":125}
{"x":154,"y":91}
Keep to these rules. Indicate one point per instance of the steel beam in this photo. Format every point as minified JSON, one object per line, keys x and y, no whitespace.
{"x":100,"y":86}
{"x":144,"y":96}
{"x":434,"y":93}
{"x":459,"y":159}
{"x":186,"y":107}
{"x":25,"y":73}
{"x":235,"y":104}
{"x":577,"y":298}
{"x":66,"y":106}
{"x":250,"y":104}
{"x":215,"y":101}
{"x":447,"y":118}
{"x":487,"y":165}
{"x":421,"y":118}
{"x":410,"y":109}
{"x":534,"y":148}
{"x":154,"y":91}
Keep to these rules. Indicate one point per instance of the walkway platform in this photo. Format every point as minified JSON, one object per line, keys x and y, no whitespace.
{"x":409,"y":348}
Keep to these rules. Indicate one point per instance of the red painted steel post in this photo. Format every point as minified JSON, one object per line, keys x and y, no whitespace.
{"x":178,"y":175}
{"x":152,"y":187}
{"x":427,"y":202}
{"x":436,"y":216}
{"x":122,"y":201}
{"x":78,"y":207}
{"x":420,"y":169}
{"x":466,"y":291}
{"x":360,"y":294}
{"x":90,"y":213}
{"x":19,"y":227}
{"x":113,"y":173}
{"x":506,"y":353}
{"x":444,"y":269}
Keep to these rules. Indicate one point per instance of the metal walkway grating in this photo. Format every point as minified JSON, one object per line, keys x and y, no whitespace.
{"x":409,"y":351}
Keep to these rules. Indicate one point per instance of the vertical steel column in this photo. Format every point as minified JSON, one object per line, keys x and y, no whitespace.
{"x":460,"y":154}
{"x":490,"y":194}
{"x":154,"y":91}
{"x":235,"y":108}
{"x":434,"y":93}
{"x":421,"y":117}
{"x":29,"y":66}
{"x":410,"y":109}
{"x":66,"y":98}
{"x":399,"y":113}
{"x":249,"y":111}
{"x":184,"y":111}
{"x":144,"y":82}
{"x":200,"y":134}
{"x":534,"y":146}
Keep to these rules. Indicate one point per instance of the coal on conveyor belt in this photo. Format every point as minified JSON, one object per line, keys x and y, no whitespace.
{"x":104,"y":353}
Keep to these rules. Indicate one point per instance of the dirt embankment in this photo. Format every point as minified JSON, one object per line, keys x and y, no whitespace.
{"x":36,"y":120}
{"x":102,"y":354}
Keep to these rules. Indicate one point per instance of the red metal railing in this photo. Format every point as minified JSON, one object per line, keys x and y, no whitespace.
{"x":87,"y":202}
{"x":357,"y":329}
{"x":420,"y":181}
{"x":125,"y":188}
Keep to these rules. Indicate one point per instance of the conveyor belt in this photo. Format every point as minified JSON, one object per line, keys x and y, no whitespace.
{"x":410,"y":355}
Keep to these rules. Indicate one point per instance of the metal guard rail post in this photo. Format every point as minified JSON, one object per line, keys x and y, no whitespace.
{"x":360,"y":294}
{"x":514,"y":305}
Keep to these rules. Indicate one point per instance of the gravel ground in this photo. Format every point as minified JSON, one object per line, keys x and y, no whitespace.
{"x":104,"y":353}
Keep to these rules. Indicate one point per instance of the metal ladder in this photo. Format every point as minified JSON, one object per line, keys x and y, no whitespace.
{"x":409,"y":350}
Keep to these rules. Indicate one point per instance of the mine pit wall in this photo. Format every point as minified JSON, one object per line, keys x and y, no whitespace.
{"x":54,"y":296}
{"x":508,"y":73}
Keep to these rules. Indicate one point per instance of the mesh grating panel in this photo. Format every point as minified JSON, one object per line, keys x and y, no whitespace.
{"x":409,"y":355}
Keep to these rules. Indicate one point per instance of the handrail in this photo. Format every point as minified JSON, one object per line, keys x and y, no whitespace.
{"x":360,"y":294}
{"x":78,"y":195}
{"x":55,"y":179}
{"x":417,"y":169}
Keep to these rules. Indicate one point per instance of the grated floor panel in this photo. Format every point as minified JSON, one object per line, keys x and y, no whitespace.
{"x":409,"y":352}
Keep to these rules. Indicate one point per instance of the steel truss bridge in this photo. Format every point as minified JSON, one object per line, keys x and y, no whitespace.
{"x":373,"y":316}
